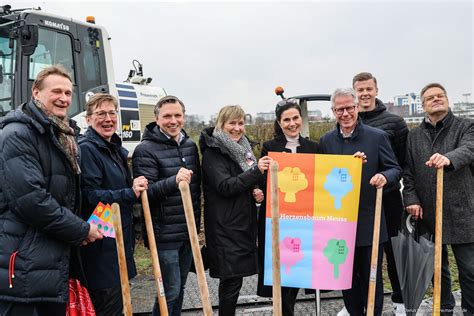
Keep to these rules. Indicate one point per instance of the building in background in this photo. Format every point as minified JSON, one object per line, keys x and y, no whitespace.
{"x":411,"y":100}
{"x":464,"y":109}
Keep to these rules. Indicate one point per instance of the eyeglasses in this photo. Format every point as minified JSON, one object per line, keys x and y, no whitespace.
{"x":102,"y":115}
{"x":431,"y":97}
{"x":349,"y":108}
{"x":286,"y":102}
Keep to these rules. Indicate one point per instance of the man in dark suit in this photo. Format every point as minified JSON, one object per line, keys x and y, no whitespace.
{"x":380,"y":169}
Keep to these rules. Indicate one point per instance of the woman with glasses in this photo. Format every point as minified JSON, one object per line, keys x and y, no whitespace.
{"x":106,"y":178}
{"x":287,"y":138}
{"x":230,"y":175}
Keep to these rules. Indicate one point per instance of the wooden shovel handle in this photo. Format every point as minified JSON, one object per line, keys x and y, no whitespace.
{"x":193,"y":237}
{"x":275,"y":239}
{"x":127,"y":299}
{"x":375,"y":252}
{"x":160,"y":290}
{"x":438,"y":242}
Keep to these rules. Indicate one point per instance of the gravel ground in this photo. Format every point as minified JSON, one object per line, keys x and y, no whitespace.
{"x":144,"y":293}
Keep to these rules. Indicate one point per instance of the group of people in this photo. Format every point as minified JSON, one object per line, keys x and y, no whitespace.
{"x":51,"y":183}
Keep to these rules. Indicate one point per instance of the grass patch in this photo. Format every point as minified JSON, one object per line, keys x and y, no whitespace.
{"x":143,"y":259}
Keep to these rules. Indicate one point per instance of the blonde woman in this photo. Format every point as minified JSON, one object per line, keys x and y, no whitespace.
{"x":230,"y":175}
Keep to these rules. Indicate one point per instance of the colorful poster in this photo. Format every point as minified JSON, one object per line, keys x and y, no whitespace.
{"x":319,"y":202}
{"x":102,"y":217}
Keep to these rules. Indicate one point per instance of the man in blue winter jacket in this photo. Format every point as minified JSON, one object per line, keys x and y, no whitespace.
{"x":165,"y":157}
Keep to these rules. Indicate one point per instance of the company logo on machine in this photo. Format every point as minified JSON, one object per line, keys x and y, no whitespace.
{"x":149,"y":95}
{"x":57,"y":25}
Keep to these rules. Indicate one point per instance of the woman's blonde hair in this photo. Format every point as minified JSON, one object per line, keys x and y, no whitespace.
{"x":228,"y":113}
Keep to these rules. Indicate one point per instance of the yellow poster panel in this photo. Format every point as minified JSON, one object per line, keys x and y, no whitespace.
{"x":337,"y":187}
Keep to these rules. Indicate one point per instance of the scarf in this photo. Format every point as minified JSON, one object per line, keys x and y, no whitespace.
{"x":65,"y":135}
{"x":240,"y":152}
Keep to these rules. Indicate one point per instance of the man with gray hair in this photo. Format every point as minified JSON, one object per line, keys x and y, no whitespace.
{"x":167,"y":156}
{"x":444,"y":141}
{"x":380,"y":168}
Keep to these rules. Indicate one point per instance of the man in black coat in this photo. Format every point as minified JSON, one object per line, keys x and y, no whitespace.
{"x":374,"y":113}
{"x":39,"y":201}
{"x":380,"y":169}
{"x":444,"y":141}
{"x":165,"y":157}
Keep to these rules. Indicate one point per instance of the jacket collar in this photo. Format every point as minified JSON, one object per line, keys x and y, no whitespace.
{"x":28,"y":113}
{"x":281,"y":141}
{"x":379,"y":107}
{"x":446,"y":121}
{"x":152,"y":132}
{"x":357,"y":130}
{"x":94,"y":137}
{"x":206,"y":140}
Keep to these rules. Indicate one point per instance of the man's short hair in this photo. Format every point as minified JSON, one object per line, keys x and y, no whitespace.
{"x":165,"y":100}
{"x":49,"y":71}
{"x":363,"y":76}
{"x":343,"y":92}
{"x":429,"y":86}
{"x":97,"y":99}
{"x":228,"y":113}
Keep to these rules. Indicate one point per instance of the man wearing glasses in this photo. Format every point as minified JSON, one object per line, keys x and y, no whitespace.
{"x":165,"y":157}
{"x":352,"y":137}
{"x":444,"y":141}
{"x":374,"y":113}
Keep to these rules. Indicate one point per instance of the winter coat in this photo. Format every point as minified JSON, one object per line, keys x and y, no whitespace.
{"x":276,"y":145}
{"x":39,"y":200}
{"x":455,"y":140}
{"x":230,"y":215}
{"x":106,"y":178}
{"x":380,"y":159}
{"x":394,"y":125}
{"x":397,"y":131}
{"x":159,"y":159}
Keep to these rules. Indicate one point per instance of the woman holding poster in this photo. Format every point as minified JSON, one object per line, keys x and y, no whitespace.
{"x":230,"y":175}
{"x":287,"y":138}
{"x":106,"y":178}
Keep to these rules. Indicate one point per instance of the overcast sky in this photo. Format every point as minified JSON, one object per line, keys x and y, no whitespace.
{"x":215,"y":53}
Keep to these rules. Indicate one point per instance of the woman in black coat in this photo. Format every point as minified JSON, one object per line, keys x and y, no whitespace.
{"x":287,"y":138}
{"x":230,"y":177}
{"x":106,"y":178}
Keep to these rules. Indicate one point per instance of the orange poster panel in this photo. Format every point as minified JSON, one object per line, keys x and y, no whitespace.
{"x":295,"y":184}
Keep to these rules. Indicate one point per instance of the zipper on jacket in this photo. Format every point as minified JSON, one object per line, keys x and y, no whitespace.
{"x":11,"y":268}
{"x":181,"y":157}
{"x":11,"y":263}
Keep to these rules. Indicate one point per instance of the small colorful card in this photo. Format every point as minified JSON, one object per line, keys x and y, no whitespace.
{"x":102,"y":217}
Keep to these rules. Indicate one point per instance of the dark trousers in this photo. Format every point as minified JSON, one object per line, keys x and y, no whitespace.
{"x":175,"y":265}
{"x":464,"y":255}
{"x":288,"y":300}
{"x":393,"y":209}
{"x":107,"y":302}
{"x":228,"y":295}
{"x":355,"y":299}
{"x":36,"y":309}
